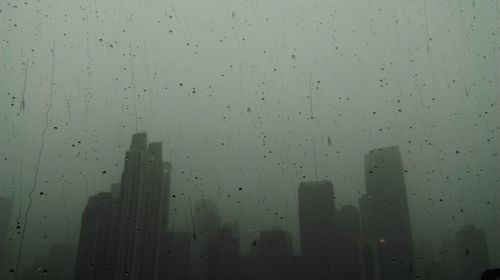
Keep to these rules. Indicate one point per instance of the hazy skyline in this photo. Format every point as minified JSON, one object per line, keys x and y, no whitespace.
{"x":230,"y":88}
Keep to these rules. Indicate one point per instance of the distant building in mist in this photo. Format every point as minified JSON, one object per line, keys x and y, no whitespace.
{"x":224,"y":253}
{"x":205,"y":226}
{"x":317,"y":229}
{"x":5,"y":212}
{"x":348,"y":229}
{"x":142,"y":211}
{"x":270,"y":258}
{"x":94,"y":246}
{"x":472,"y":251}
{"x":274,"y":252}
{"x":385,"y":214}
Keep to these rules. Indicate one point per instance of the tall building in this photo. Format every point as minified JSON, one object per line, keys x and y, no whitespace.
{"x":95,"y":239}
{"x":5,"y":211}
{"x":347,"y":243}
{"x":472,"y":251}
{"x":142,"y":211}
{"x":274,"y":252}
{"x":115,"y":225}
{"x":385,"y":214}
{"x":317,"y":229}
{"x":224,"y":253}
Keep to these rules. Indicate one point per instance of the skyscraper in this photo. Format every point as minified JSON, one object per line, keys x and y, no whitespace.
{"x":385,"y":214}
{"x":472,"y":251}
{"x":274,"y":252}
{"x":5,"y":211}
{"x":317,"y":229}
{"x":95,"y":238}
{"x":143,"y":210}
{"x":347,"y":246}
{"x":224,"y":253}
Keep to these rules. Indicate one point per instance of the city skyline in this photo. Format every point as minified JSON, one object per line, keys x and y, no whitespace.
{"x":333,"y":241}
{"x":117,"y":243}
{"x":249,"y":100}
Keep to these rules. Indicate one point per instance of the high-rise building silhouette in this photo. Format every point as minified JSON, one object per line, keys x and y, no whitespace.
{"x":348,"y":230}
{"x":143,"y":211}
{"x":385,"y":214}
{"x":115,"y":225}
{"x":5,"y":212}
{"x":274,"y":252}
{"x":472,"y":251}
{"x":317,"y":229}
{"x":224,"y":253}
{"x":92,"y":261}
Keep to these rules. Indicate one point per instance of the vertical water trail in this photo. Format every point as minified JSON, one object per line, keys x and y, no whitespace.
{"x":39,"y":158}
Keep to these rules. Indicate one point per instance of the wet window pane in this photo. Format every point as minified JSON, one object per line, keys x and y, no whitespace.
{"x":303,"y":140}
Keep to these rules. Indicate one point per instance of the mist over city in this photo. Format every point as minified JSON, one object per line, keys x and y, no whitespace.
{"x":249,"y":140}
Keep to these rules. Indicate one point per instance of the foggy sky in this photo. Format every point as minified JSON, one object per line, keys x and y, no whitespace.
{"x":229,"y":87}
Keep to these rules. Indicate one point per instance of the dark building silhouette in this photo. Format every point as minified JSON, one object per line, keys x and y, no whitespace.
{"x":348,"y":230}
{"x":472,"y":249}
{"x":115,"y":224}
{"x":317,"y":229}
{"x":175,"y":256}
{"x":205,"y":225}
{"x":224,"y":253}
{"x":248,"y":266}
{"x":274,"y":252}
{"x":5,"y":211}
{"x":92,"y":261}
{"x":143,"y":211}
{"x":270,"y":257}
{"x":385,"y":214}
